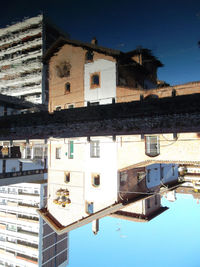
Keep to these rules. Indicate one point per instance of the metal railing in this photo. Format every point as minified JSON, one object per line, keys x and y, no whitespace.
{"x":22,"y":173}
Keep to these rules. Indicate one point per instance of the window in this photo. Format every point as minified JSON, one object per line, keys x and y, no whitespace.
{"x":123,"y":178}
{"x":94,"y":103}
{"x":152,"y":146}
{"x":140,"y":176}
{"x":63,"y":69}
{"x":38,"y":152}
{"x":95,"y":80}
{"x":67,"y":88}
{"x":148,"y":203}
{"x":11,"y":227}
{"x":148,"y":176}
{"x":58,"y":152}
{"x":173,"y":170}
{"x":89,"y":56}
{"x":162,"y":172}
{"x":156,"y":199}
{"x":95,"y":179}
{"x":71,"y":106}
{"x":71,"y":149}
{"x":95,"y":149}
{"x":28,"y":152}
{"x":89,"y":207}
{"x":58,"y":108}
{"x":67,"y":177}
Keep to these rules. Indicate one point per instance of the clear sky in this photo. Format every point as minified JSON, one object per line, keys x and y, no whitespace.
{"x":171,"y":239}
{"x":169,"y":28}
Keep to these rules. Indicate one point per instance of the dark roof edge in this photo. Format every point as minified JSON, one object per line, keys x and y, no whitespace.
{"x":62,"y":41}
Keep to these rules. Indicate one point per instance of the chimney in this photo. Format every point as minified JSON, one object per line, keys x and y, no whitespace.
{"x":94,"y":41}
{"x":95,"y":226}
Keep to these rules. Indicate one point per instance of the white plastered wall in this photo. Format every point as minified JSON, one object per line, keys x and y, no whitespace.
{"x":80,"y":186}
{"x":107,"y":89}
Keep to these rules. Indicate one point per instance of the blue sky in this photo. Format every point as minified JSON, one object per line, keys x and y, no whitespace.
{"x":169,"y":28}
{"x":171,"y":239}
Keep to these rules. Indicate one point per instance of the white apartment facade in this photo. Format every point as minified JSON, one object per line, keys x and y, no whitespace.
{"x":26,"y":240}
{"x":22,"y":46}
{"x":85,"y":175}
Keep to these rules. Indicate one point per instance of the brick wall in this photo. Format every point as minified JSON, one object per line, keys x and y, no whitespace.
{"x":76,"y":57}
{"x":127,"y":94}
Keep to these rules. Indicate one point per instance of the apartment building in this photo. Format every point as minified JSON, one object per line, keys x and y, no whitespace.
{"x":10,"y":105}
{"x":25,"y":239}
{"x":86,"y":73}
{"x":22,"y":46}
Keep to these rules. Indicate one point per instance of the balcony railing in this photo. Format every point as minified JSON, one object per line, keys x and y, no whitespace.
{"x":22,"y":173}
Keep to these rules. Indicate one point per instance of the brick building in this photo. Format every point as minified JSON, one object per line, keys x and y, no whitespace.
{"x":86,"y":73}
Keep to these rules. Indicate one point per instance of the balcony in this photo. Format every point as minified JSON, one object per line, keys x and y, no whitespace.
{"x":27,"y":232}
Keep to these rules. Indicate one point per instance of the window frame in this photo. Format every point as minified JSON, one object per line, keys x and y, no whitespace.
{"x":67,"y":174}
{"x":149,"y":145}
{"x":87,"y":207}
{"x":94,"y":176}
{"x":69,"y":106}
{"x":94,"y":149}
{"x":89,"y":56}
{"x":94,"y":85}
{"x":58,"y":153}
{"x":67,"y":90}
{"x":58,"y":108}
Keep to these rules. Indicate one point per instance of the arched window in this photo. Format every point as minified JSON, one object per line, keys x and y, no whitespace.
{"x":95,"y":80}
{"x":67,"y":177}
{"x":96,"y":180}
{"x":173,"y":93}
{"x":89,"y":56}
{"x":67,"y":88}
{"x":152,"y":146}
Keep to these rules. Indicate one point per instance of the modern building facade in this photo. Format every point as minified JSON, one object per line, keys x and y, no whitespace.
{"x":25,"y":239}
{"x":22,"y":46}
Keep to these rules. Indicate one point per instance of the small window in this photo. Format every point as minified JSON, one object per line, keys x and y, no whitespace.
{"x":94,"y":103}
{"x":96,"y":179}
{"x":156,"y":199}
{"x":140,"y":176}
{"x":67,"y":177}
{"x":71,"y":106}
{"x":148,"y":176}
{"x":123,"y":178}
{"x":89,"y":56}
{"x":173,"y":93}
{"x":58,"y":152}
{"x":173,"y":170}
{"x":95,"y":80}
{"x":67,"y":88}
{"x":71,"y":149}
{"x":95,"y":149}
{"x":148,"y":203}
{"x":58,"y":108}
{"x":89,"y":207}
{"x":162,"y":172}
{"x":152,"y":146}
